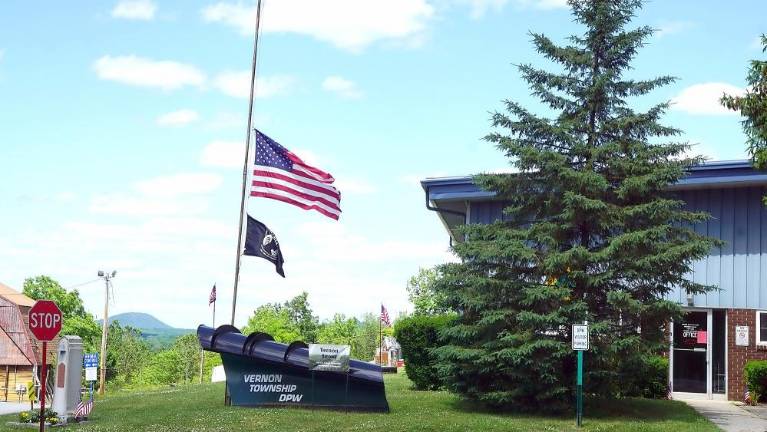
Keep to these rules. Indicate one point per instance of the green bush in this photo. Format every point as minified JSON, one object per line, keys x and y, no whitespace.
{"x":755,"y":373}
{"x":647,"y":378}
{"x":418,"y":335}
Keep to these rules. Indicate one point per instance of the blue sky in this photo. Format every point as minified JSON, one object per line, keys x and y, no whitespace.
{"x":122,"y":126}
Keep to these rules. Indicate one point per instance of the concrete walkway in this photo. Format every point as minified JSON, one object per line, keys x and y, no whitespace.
{"x":729,"y":417}
{"x":13,"y":407}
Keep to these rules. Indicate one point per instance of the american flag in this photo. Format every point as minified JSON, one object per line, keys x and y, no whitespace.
{"x":84,"y":409}
{"x":212,"y":298}
{"x":385,"y":316}
{"x":283,"y":176}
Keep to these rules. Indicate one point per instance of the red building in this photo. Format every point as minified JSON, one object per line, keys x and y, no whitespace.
{"x":20,"y":353}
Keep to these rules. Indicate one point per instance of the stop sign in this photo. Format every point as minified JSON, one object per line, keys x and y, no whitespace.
{"x":45,"y":320}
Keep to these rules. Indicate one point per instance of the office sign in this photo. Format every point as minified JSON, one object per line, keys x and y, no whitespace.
{"x":329,"y":358}
{"x":580,"y":337}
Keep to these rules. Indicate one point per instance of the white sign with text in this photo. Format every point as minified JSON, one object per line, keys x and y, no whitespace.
{"x":741,"y":335}
{"x":580,"y":337}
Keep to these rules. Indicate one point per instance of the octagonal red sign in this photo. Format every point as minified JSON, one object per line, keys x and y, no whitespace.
{"x":45,"y":320}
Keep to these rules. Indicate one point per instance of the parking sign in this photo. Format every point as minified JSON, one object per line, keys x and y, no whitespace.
{"x":580,"y":337}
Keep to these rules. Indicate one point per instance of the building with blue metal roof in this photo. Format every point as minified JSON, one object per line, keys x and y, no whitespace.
{"x":722,"y":329}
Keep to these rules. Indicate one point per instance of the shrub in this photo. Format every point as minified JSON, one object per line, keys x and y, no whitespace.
{"x":648,"y":378}
{"x":418,"y":335}
{"x":755,"y":373}
{"x":24,"y":417}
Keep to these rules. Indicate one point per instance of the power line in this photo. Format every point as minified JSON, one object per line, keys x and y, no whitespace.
{"x":81,"y":284}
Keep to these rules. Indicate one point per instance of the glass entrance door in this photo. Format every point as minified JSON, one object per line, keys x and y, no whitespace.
{"x":690,"y":353}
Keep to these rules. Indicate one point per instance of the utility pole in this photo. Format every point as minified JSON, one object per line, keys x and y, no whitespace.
{"x":105,"y":328}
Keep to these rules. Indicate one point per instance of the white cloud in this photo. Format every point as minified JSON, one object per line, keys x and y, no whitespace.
{"x":226,"y":120}
{"x":349,"y":246}
{"x":225,"y":154}
{"x":341,"y":86}
{"x":135,"y":10}
{"x":237,"y":84}
{"x":138,"y":71}
{"x":356,"y":186}
{"x":715,"y":152}
{"x":415,"y":179}
{"x":533,"y":4}
{"x":178,"y":118}
{"x":125,"y":205}
{"x":704,"y":98}
{"x":65,"y":196}
{"x":348,"y":24}
{"x":179,"y":184}
{"x":666,"y":28}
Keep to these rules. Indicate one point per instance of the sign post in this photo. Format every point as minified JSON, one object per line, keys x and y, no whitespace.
{"x":580,"y":343}
{"x":91,"y":364}
{"x":45,"y":323}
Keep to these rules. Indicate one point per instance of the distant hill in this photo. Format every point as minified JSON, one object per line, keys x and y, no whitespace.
{"x":157,"y":333}
{"x":139,"y":320}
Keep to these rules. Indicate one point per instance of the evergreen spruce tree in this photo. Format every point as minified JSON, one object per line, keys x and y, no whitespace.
{"x":753,"y":106}
{"x":590,"y":231}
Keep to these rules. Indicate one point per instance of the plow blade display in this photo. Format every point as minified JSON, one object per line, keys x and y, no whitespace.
{"x":262,"y":372}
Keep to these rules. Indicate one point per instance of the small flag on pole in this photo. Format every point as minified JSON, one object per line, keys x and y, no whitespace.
{"x":281,"y":175}
{"x":385,"y":316}
{"x":212,"y":298}
{"x":261,"y":242}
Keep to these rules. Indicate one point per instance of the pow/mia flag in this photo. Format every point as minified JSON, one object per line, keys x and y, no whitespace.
{"x":261,"y":242}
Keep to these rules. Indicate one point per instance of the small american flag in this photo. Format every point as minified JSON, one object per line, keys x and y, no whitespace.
{"x":84,"y":409}
{"x":212,"y":298}
{"x":385,"y":316}
{"x":281,"y":175}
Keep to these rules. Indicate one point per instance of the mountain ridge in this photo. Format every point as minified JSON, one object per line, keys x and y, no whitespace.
{"x":139,"y":320}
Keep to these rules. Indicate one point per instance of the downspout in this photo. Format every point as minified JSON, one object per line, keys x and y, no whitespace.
{"x":438,"y":210}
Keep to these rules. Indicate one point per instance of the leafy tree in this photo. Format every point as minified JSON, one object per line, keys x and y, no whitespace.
{"x":362,"y":336}
{"x":753,"y":106}
{"x":301,"y":315}
{"x":76,"y":320}
{"x":274,"y":320}
{"x":127,"y":352}
{"x":592,"y":232}
{"x":421,"y":293}
{"x":161,"y":368}
{"x":366,"y":337}
{"x":339,"y":330}
{"x":187,"y":348}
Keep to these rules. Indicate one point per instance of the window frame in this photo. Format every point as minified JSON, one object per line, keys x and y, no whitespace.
{"x":759,"y":341}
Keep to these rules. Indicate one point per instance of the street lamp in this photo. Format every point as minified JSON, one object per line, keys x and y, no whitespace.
{"x":105,"y":327}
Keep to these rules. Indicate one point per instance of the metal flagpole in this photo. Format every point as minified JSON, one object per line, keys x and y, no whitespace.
{"x":202,"y":351}
{"x":245,"y":162}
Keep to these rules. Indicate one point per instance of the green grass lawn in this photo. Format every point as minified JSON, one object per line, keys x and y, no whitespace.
{"x":200,"y":408}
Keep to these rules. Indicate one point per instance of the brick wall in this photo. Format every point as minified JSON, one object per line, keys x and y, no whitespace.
{"x":737,"y":356}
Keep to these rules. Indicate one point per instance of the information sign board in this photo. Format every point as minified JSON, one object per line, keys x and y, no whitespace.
{"x":329,"y":358}
{"x":741,"y":335}
{"x":580,"y":337}
{"x":91,"y":363}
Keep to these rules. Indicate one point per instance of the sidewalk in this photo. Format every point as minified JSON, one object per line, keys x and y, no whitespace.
{"x":13,"y":407}
{"x":729,"y":417}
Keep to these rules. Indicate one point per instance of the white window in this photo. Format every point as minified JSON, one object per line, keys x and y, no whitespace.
{"x":761,"y":327}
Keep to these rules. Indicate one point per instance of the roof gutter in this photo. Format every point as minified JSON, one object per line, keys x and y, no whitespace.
{"x":439,"y":210}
